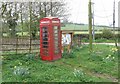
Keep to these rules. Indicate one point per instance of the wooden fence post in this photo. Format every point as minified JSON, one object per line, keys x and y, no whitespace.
{"x":16,"y":45}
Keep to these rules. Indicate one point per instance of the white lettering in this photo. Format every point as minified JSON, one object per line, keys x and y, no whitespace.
{"x":55,"y":21}
{"x":45,"y":22}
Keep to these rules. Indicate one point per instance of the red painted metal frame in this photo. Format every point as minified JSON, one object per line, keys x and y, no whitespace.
{"x":48,"y":22}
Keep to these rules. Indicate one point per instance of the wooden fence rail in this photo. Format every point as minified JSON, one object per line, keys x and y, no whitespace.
{"x":19,"y":44}
{"x":23,"y":45}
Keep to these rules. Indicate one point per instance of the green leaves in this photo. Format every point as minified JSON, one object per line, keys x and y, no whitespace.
{"x":106,"y":33}
{"x":66,"y":54}
{"x":95,"y":57}
{"x":21,"y":71}
{"x":81,"y":66}
{"x":30,"y":56}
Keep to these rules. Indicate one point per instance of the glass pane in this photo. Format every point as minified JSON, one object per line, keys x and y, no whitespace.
{"x":45,"y":41}
{"x":56,"y":35}
{"x":45,"y":33}
{"x":56,"y":41}
{"x":56,"y":31}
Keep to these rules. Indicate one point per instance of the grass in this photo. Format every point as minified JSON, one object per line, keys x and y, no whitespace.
{"x":78,"y":66}
{"x":96,"y":32}
{"x":0,"y":70}
{"x":86,"y":32}
{"x":80,"y":27}
{"x":84,"y":29}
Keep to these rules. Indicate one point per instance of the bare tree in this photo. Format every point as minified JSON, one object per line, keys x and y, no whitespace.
{"x":11,"y":12}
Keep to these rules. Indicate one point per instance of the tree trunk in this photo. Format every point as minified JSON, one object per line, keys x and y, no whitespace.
{"x":21,"y":19}
{"x":30,"y":12}
{"x":45,"y":9}
{"x":51,"y":7}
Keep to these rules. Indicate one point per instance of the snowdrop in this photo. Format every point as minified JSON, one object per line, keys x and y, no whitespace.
{"x":14,"y":66}
{"x":107,"y":57}
{"x":113,"y":57}
{"x":21,"y":71}
{"x":78,"y":73}
{"x":2,"y":57}
{"x":81,"y":47}
{"x":20,"y":63}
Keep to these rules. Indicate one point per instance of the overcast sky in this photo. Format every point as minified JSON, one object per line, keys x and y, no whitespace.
{"x":103,"y":10}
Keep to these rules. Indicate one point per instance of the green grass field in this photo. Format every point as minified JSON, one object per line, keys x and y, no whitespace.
{"x":77,"y":29}
{"x":81,"y":27}
{"x":77,"y":66}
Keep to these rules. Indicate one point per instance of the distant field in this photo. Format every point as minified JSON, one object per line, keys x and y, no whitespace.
{"x":81,"y":27}
{"x":86,"y":32}
{"x":77,"y":29}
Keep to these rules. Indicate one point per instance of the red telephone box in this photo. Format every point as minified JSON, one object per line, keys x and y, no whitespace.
{"x":50,"y":38}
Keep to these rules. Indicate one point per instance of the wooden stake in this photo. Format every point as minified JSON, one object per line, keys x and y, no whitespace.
{"x":90,"y":26}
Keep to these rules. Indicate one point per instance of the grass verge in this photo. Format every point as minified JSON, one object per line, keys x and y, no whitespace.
{"x":78,"y":66}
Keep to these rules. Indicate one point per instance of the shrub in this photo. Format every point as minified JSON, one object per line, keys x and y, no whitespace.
{"x":106,"y":33}
{"x":85,"y":40}
{"x":117,"y":36}
{"x":98,"y":36}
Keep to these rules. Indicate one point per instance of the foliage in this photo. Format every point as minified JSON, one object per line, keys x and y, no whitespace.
{"x":94,"y":57}
{"x":98,"y":36}
{"x":12,"y":24}
{"x":11,"y":11}
{"x":99,"y":66}
{"x":104,"y":40}
{"x":100,"y":40}
{"x":70,"y":54}
{"x":21,"y":71}
{"x":106,"y":33}
{"x":30,"y":56}
{"x":10,"y":17}
{"x":81,"y":75}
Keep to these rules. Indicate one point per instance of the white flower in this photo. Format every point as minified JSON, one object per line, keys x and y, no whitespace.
{"x":2,"y":57}
{"x":116,"y":49}
{"x":20,"y":63}
{"x":109,"y":55}
{"x":14,"y":66}
{"x":81,"y":47}
{"x":107,"y":58}
{"x":113,"y":51}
